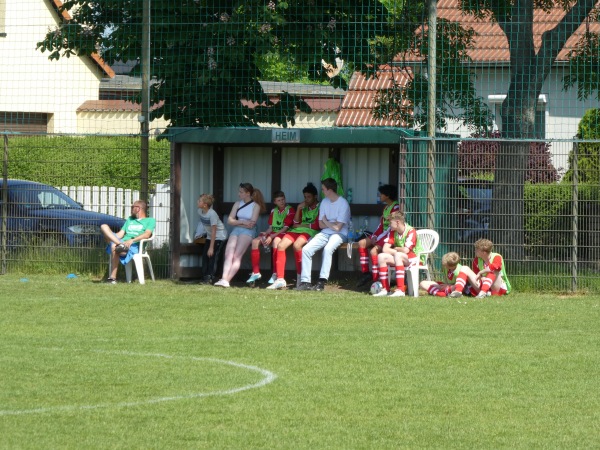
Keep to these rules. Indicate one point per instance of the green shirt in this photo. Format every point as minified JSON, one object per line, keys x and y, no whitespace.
{"x":134,"y":227}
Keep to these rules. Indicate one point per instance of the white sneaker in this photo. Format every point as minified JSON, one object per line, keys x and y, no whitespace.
{"x":279,"y":284}
{"x":482,"y":294}
{"x":254,"y":277}
{"x":273,"y":278}
{"x":455,"y":294}
{"x":398,"y":293}
{"x":222,"y":283}
{"x":381,"y":293}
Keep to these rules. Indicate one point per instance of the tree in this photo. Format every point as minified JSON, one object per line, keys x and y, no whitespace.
{"x":588,"y":154}
{"x":479,"y":156}
{"x":456,"y":95}
{"x":207,"y":55}
{"x":529,"y":68}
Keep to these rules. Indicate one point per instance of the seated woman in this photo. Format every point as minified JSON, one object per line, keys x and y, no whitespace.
{"x":243,"y":218}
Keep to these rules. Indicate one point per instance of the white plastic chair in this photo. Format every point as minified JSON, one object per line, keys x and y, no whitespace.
{"x":138,"y":260}
{"x":429,"y":240}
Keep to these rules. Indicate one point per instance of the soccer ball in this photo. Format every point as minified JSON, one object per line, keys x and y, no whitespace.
{"x":376,"y":287}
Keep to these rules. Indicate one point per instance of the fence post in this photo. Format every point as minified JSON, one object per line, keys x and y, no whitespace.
{"x":575,"y":220}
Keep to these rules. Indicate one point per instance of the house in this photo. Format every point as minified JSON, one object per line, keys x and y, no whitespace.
{"x":42,"y":96}
{"x":558,"y":111}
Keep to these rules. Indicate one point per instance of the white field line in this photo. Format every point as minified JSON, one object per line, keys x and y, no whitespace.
{"x":268,"y":377}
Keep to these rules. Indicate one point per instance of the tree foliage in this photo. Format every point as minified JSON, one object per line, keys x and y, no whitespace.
{"x":588,"y":154}
{"x":479,"y":156}
{"x":208,"y":55}
{"x":456,"y":96}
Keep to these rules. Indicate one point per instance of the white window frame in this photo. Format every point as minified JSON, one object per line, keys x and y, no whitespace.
{"x":496,"y":100}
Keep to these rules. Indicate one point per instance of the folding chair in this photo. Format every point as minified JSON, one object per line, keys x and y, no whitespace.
{"x":429,"y":240}
{"x":138,"y":260}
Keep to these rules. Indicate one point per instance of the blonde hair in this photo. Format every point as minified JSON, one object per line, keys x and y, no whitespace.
{"x":397,"y":216}
{"x":208,"y":199}
{"x":484,"y":244}
{"x":450,"y":259}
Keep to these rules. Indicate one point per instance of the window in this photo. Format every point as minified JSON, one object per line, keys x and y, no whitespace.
{"x":540,"y":114}
{"x":2,"y":18}
{"x":23,"y":121}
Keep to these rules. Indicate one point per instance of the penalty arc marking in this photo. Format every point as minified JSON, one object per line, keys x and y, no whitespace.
{"x":268,"y":377}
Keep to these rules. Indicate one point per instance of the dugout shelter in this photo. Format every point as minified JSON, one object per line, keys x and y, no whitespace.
{"x":217,"y":160}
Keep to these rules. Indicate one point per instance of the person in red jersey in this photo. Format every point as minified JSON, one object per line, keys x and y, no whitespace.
{"x":400,"y":250}
{"x":487,"y":276}
{"x":281,"y":220}
{"x":306,"y":225}
{"x":370,"y":247}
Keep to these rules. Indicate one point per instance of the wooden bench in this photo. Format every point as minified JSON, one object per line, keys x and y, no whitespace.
{"x":340,"y":263}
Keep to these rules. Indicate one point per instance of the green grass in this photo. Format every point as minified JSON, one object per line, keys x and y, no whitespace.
{"x":87,"y":365}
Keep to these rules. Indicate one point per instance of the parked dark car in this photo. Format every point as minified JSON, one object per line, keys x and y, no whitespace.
{"x":38,"y":213}
{"x":474,"y":209}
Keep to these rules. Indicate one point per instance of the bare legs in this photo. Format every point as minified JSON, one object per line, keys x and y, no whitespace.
{"x":236,"y":247}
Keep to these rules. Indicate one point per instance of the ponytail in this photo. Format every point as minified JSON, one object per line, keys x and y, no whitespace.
{"x":259,"y":199}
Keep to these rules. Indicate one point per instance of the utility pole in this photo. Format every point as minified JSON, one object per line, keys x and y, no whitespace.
{"x":144,"y":118}
{"x":431,"y":110}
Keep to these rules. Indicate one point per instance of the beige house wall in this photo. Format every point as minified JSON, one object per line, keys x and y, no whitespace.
{"x":115,"y":122}
{"x":314,"y":120}
{"x":29,"y":81}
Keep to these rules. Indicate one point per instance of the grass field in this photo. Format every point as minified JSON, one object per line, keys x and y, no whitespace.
{"x":87,"y":365}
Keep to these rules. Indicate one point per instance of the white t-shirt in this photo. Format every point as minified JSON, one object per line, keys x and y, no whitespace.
{"x":338,"y":211}
{"x":207,"y":221}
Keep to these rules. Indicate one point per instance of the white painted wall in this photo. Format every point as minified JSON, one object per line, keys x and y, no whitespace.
{"x":115,"y":122}
{"x":29,"y":81}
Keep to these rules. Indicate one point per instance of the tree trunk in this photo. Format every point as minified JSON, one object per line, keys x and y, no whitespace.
{"x":518,"y":113}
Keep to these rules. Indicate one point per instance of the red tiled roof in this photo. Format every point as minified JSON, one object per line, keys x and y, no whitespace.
{"x":490,"y":43}
{"x":317,"y":104}
{"x":114,"y":105}
{"x":360,"y":98}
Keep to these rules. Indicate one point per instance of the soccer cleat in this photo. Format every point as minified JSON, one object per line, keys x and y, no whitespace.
{"x":273,"y":278}
{"x":381,"y":293}
{"x":254,"y":277}
{"x":305,"y":286}
{"x":364,"y":280}
{"x":121,"y":248}
{"x":320,"y":286}
{"x":482,"y":294}
{"x":398,"y":293}
{"x":111,"y":281}
{"x":279,"y":284}
{"x":222,"y":283}
{"x":455,"y":294}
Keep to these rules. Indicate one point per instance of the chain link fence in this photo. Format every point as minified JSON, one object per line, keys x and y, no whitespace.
{"x":88,"y":85}
{"x":57,"y":191}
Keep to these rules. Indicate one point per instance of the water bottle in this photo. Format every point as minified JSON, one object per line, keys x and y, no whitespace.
{"x":349,"y":195}
{"x":266,"y":248}
{"x":350,"y":232}
{"x":366,"y":224}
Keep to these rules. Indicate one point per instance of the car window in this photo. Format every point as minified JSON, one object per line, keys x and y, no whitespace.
{"x":36,"y":197}
{"x":49,"y":199}
{"x":479,"y":193}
